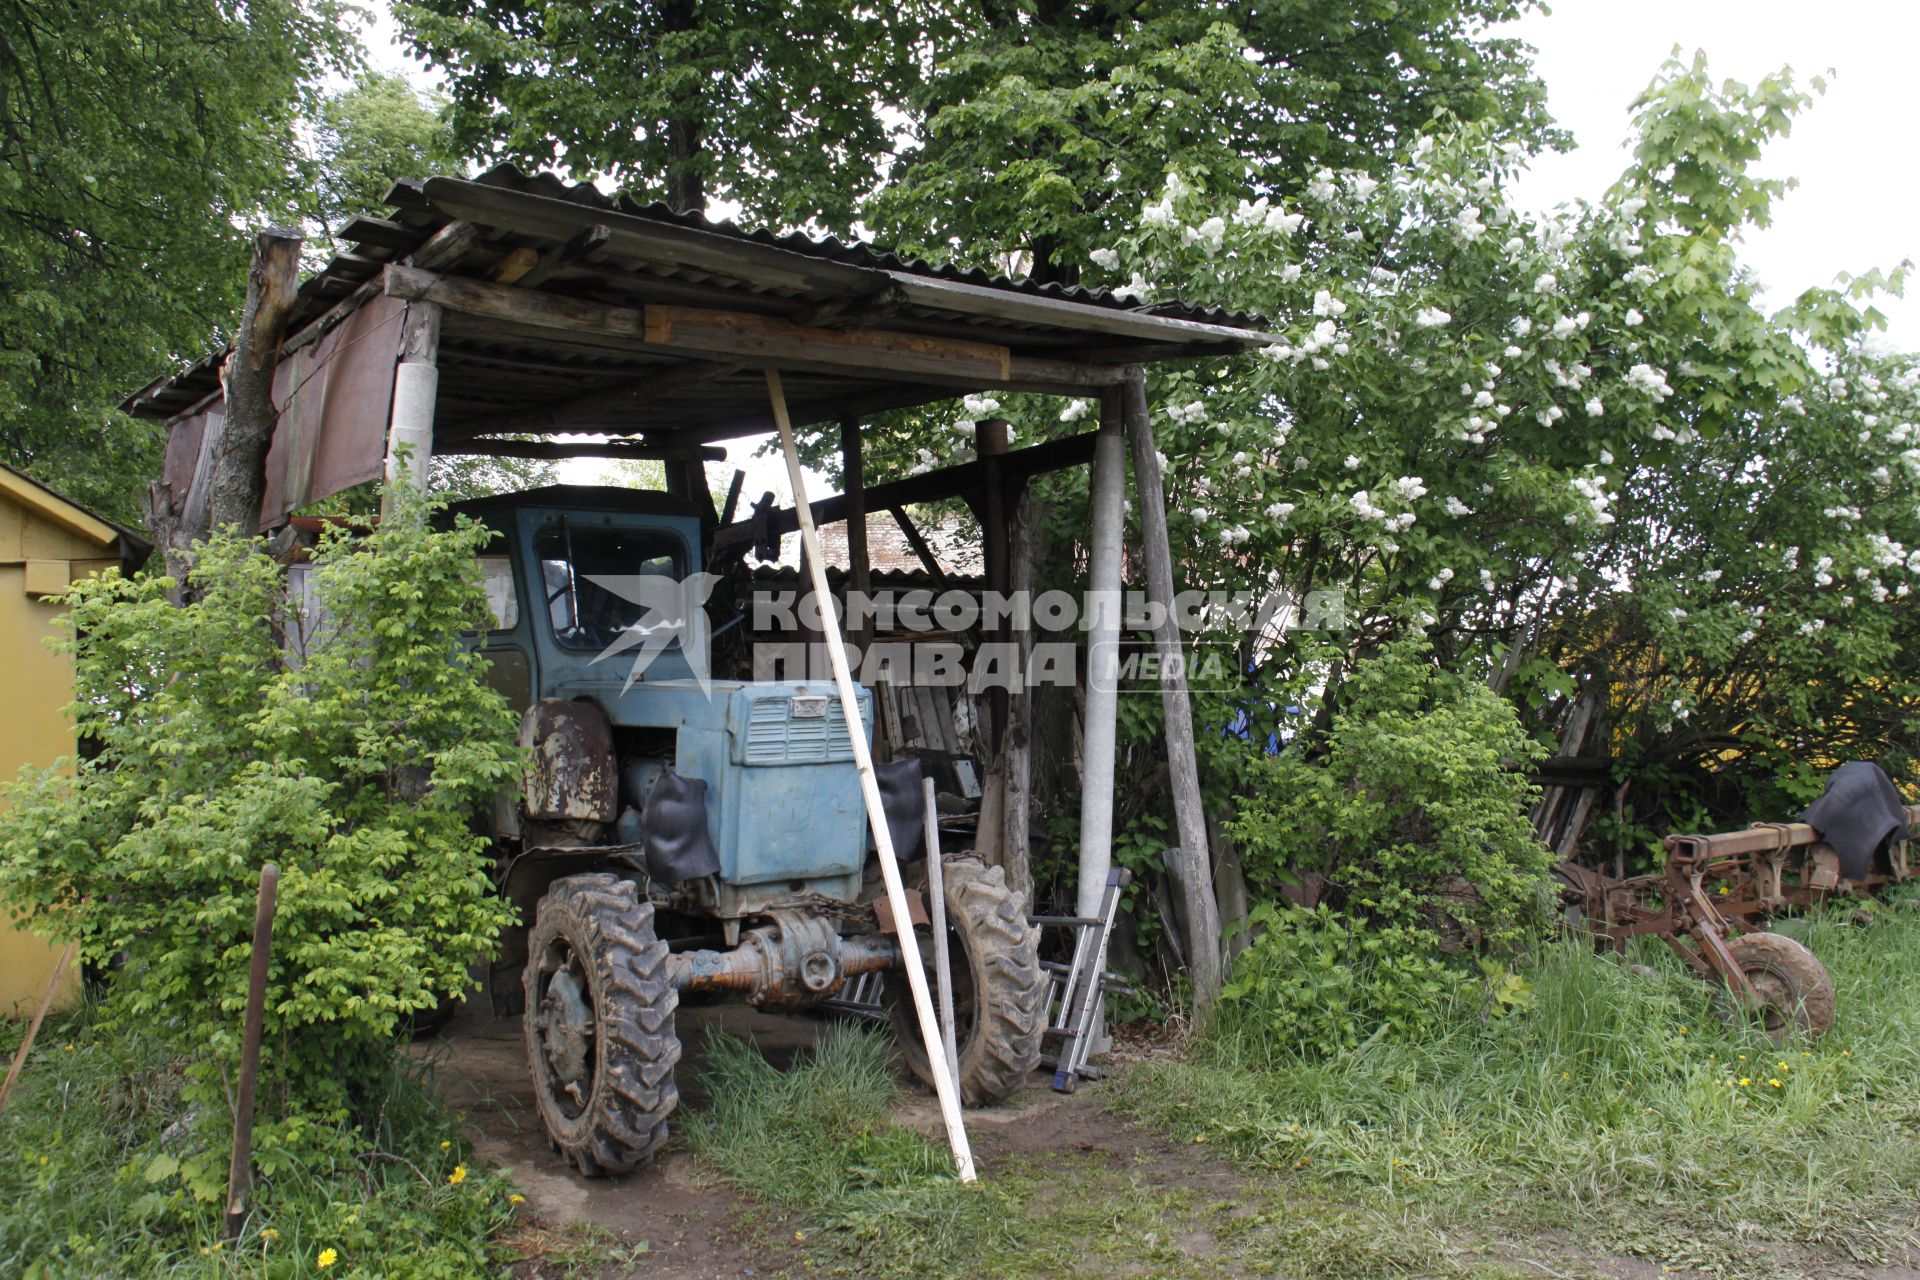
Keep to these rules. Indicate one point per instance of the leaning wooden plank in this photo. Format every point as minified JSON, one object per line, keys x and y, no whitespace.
{"x":39,"y":1016}
{"x":945,"y":1087}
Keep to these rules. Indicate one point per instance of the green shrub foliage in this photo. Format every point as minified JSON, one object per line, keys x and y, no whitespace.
{"x":1410,"y":826}
{"x":355,"y":767}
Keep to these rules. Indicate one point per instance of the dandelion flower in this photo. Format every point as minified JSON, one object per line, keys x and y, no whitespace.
{"x":326,"y":1259}
{"x":516,"y":1198}
{"x":1773,"y":1083}
{"x":458,"y":1176}
{"x":1745,"y":1081}
{"x":445,"y":1145}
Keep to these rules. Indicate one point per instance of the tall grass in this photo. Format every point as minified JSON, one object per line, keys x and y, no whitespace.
{"x":105,"y":1173}
{"x":1618,"y":1105}
{"x":820,"y":1140}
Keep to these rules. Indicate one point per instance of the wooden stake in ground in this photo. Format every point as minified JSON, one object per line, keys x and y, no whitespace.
{"x":942,"y":962}
{"x":39,"y":1016}
{"x":240,"y":1167}
{"x":870,"y":790}
{"x":239,"y":482}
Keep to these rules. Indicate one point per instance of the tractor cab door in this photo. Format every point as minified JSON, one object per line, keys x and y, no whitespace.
{"x":505,"y":645}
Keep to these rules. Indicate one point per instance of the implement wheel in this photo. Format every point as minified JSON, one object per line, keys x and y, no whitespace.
{"x":999,"y":988}
{"x":1796,"y":993}
{"x":599,"y":1024}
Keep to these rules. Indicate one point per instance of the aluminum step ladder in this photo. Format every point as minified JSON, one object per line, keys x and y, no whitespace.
{"x":1076,"y":992}
{"x":1075,"y":1005}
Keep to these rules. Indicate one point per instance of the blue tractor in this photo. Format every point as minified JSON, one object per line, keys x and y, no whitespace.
{"x":676,"y":833}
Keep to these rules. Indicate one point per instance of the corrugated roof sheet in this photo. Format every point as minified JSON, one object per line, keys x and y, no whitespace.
{"x":619,"y":252}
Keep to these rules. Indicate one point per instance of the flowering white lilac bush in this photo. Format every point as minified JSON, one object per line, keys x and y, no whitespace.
{"x":1575,"y":445}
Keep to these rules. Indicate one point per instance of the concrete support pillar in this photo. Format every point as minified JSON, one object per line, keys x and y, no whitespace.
{"x":416,"y":386}
{"x":1102,"y":622}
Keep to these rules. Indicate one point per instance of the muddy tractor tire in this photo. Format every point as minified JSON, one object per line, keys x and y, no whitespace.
{"x":999,"y":988}
{"x":599,"y":1024}
{"x":1796,"y":993}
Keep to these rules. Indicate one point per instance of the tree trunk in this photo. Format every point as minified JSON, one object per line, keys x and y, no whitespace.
{"x":686,"y":183}
{"x":239,"y":480}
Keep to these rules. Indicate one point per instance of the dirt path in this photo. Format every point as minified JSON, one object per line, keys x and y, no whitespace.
{"x":693,"y":1227}
{"x":672,"y":1221}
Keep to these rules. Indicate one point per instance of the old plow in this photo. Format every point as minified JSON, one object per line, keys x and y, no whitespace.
{"x":1711,"y":902}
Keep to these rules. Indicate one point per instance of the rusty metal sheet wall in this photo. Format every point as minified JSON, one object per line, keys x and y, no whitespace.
{"x":334,"y":397}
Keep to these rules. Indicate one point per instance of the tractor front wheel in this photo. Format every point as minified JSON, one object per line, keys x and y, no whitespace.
{"x":599,"y":1024}
{"x":999,"y":988}
{"x":1796,"y":993}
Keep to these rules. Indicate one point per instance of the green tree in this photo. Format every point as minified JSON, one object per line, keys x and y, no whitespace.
{"x":356,"y":767}
{"x":778,"y":107}
{"x":367,"y":135}
{"x":1039,"y":124}
{"x":139,"y":144}
{"x":1577,"y":441}
{"x":997,"y":127}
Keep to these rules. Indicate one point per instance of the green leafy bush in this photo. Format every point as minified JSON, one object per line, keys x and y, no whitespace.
{"x":355,"y":767}
{"x":1411,"y":828}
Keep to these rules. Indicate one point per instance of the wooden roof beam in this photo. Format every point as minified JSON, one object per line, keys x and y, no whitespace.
{"x":599,"y":406}
{"x":554,"y":449}
{"x":928,"y":486}
{"x":753,"y":339}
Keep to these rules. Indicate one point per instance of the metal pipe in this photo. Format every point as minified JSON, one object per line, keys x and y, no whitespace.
{"x":240,"y":1165}
{"x":1103,"y":658}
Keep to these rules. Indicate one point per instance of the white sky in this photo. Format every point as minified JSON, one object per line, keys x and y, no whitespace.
{"x":1852,"y":150}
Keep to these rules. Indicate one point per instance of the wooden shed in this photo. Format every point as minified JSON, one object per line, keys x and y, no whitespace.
{"x":46,"y":543}
{"x":512,"y":314}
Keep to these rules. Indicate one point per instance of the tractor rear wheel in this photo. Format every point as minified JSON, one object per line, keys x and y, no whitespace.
{"x":599,"y":1024}
{"x":1796,"y":993}
{"x":999,"y":988}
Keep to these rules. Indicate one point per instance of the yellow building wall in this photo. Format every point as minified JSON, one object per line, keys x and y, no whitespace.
{"x":34,"y":728}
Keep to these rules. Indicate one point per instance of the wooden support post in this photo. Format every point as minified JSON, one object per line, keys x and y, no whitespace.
{"x":1026,"y":543}
{"x":853,"y":470}
{"x":687,"y":478}
{"x":240,"y":1165}
{"x":1190,"y":864}
{"x":239,"y":483}
{"x":990,"y":444}
{"x":931,"y":1038}
{"x":416,"y":386}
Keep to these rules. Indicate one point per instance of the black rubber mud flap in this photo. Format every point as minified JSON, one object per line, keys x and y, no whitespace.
{"x":905,"y":804}
{"x":674,"y":830}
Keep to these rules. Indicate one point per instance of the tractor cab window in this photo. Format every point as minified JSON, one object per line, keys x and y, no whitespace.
{"x":597,"y":580}
{"x":503,"y":602}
